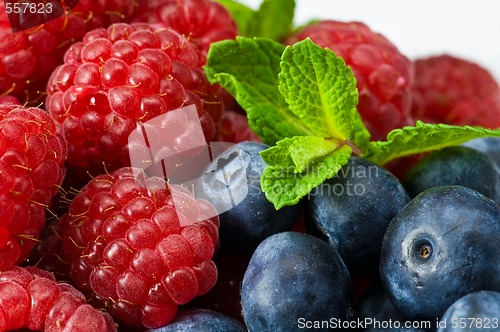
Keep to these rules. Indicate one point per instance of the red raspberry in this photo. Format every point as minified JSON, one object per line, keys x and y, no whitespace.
{"x":202,"y":21}
{"x":120,"y":77}
{"x":235,"y":128}
{"x":9,"y":100}
{"x":28,"y":57}
{"x":384,"y":75}
{"x":139,"y":247}
{"x":31,"y":298}
{"x":456,"y":91}
{"x":32,"y":155}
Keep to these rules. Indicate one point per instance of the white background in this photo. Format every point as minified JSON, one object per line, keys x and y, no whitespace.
{"x":465,"y":28}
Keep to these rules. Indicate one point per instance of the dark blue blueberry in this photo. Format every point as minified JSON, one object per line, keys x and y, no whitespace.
{"x":441,"y":246}
{"x":456,"y":165}
{"x":293,"y":280}
{"x":352,"y":210}
{"x":232,"y":184}
{"x":490,"y":146}
{"x":202,"y":320}
{"x":379,"y":314}
{"x":475,"y":312}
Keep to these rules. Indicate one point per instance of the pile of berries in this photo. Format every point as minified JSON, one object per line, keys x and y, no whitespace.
{"x":73,"y":90}
{"x":90,"y":242}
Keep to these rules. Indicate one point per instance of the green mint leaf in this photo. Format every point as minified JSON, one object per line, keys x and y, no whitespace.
{"x":279,"y":155}
{"x":422,"y":138}
{"x":283,"y":186}
{"x":273,"y":19}
{"x":248,"y":69}
{"x":321,"y":91}
{"x":299,"y":152}
{"x":361,"y":136}
{"x":306,"y":151}
{"x":242,"y":14}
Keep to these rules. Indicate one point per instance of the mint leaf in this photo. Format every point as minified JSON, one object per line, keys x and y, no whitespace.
{"x":422,"y":138}
{"x":299,"y":152}
{"x":273,"y":19}
{"x":283,"y":186}
{"x":248,"y":68}
{"x":308,"y":150}
{"x":321,"y":91}
{"x":279,"y":155}
{"x":361,"y":136}
{"x":240,"y":13}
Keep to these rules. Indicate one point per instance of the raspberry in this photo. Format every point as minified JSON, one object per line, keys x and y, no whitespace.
{"x":456,"y":91}
{"x":139,"y":247}
{"x":202,"y":21}
{"x":29,"y":56}
{"x":31,"y":168}
{"x":31,"y":298}
{"x":120,"y":77}
{"x":235,"y":128}
{"x":9,"y":100}
{"x":384,"y":75}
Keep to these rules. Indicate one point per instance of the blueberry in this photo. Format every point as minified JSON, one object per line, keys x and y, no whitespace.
{"x":294,"y":279}
{"x":352,"y":210}
{"x":487,"y":145}
{"x":377,"y":311}
{"x":490,"y":146}
{"x":456,"y":165}
{"x":478,"y":311}
{"x":202,"y":320}
{"x":441,"y":246}
{"x":232,"y":184}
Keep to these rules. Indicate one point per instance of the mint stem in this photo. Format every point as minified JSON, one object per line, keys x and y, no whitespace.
{"x":355,"y":150}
